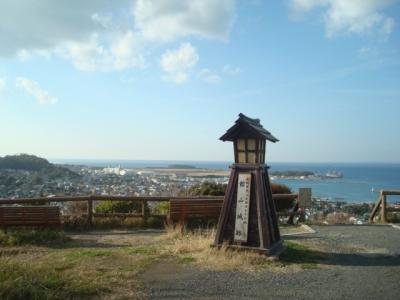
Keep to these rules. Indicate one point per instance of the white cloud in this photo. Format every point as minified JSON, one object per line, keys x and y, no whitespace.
{"x":160,"y":20}
{"x":104,"y":35}
{"x":42,"y":25}
{"x":209,"y":76}
{"x":86,"y":33}
{"x":231,"y":70}
{"x":2,"y":85}
{"x":177,"y":63}
{"x":118,"y":52}
{"x":345,"y":16}
{"x":33,"y":88}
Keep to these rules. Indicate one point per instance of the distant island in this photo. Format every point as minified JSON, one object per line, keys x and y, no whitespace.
{"x":179,"y":166}
{"x":300,"y":174}
{"x":291,"y":173}
{"x":175,"y":166}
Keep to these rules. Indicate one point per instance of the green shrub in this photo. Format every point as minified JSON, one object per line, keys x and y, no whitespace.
{"x":119,"y":207}
{"x":122,"y":222}
{"x":117,"y":222}
{"x":207,"y":189}
{"x":161,"y":208}
{"x":32,"y":236}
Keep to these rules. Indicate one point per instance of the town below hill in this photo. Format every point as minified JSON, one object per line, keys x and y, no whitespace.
{"x":31,"y":176}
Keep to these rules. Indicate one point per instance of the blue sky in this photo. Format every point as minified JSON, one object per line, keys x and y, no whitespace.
{"x":160,"y":80}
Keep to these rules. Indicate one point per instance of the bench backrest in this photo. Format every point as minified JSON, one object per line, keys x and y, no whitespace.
{"x":29,"y":216}
{"x":195,"y":208}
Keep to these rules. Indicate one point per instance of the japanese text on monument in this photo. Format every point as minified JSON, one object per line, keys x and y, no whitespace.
{"x":242,"y":207}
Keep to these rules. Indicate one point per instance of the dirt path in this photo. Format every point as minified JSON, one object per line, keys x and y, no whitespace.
{"x":116,"y":238}
{"x":359,"y":262}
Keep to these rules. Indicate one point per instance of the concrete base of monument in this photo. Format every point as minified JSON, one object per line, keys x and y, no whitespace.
{"x":272,"y":253}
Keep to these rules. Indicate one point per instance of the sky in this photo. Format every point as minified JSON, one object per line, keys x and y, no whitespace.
{"x":164,"y":79}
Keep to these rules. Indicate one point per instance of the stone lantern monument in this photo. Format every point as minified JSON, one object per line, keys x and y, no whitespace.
{"x":248,"y":218}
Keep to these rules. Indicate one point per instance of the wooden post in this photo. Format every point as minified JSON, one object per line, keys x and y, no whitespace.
{"x":375,"y":209}
{"x":383,"y":212}
{"x":90,"y":212}
{"x":144,"y":212}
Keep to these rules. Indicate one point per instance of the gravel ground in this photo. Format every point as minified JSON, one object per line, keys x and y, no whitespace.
{"x":360,"y":262}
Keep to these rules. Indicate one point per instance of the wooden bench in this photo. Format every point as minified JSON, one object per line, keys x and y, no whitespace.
{"x":30,"y":216}
{"x":184,"y":209}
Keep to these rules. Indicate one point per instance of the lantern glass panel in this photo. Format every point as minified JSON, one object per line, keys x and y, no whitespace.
{"x":241,"y":144}
{"x":241,"y":157}
{"x":251,"y":144}
{"x":252,"y":157}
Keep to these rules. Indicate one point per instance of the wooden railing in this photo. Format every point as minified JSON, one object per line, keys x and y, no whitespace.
{"x":382,"y":204}
{"x":143,"y":200}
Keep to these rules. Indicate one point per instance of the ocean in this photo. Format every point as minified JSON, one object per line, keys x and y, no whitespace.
{"x":360,"y":182}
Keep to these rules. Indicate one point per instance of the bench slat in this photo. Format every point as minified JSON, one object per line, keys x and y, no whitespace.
{"x":29,"y":216}
{"x":199,"y":208}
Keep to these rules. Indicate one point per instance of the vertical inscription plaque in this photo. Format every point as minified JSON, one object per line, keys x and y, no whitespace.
{"x":305,"y":197}
{"x":242,"y":207}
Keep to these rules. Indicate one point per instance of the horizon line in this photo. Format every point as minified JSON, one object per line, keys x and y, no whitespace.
{"x":221,"y":161}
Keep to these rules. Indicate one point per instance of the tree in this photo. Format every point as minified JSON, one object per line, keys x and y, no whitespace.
{"x":217,"y":189}
{"x":282,"y":204}
{"x":207,"y":189}
{"x":278,"y":188}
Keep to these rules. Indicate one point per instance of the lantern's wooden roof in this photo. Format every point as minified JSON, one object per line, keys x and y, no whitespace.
{"x":246,"y":127}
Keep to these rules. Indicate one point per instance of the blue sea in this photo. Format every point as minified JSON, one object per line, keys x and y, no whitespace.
{"x":360,"y":182}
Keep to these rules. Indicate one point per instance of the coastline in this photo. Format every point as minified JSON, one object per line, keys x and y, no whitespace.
{"x":360,"y":182}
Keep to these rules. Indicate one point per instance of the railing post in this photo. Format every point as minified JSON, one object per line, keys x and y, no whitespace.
{"x":90,"y":212}
{"x":375,"y":209}
{"x":383,"y":212}
{"x":144,"y":211}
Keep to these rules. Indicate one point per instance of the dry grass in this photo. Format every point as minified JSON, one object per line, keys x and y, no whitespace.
{"x":107,"y":267}
{"x":195,"y":247}
{"x":337,"y":218}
